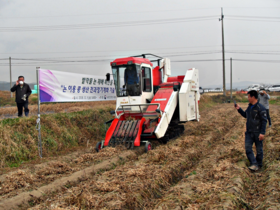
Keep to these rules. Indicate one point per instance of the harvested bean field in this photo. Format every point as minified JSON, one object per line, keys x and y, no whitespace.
{"x":205,"y":168}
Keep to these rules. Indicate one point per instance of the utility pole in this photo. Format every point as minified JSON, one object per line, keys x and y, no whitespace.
{"x":231,"y":78}
{"x":10,"y":61}
{"x":223,"y":49}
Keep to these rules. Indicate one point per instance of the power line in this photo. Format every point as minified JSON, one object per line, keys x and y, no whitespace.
{"x":245,"y":60}
{"x":254,"y":20}
{"x":134,"y":12}
{"x":175,"y":61}
{"x":104,"y":25}
{"x":111,"y":13}
{"x":254,"y":45}
{"x":166,"y":54}
{"x":123,"y":50}
{"x":94,"y":61}
{"x":149,"y":49}
{"x":253,"y":17}
{"x":48,"y":61}
{"x":255,"y":53}
{"x":260,"y":20}
{"x":202,"y":60}
{"x":174,"y":54}
{"x":261,"y":61}
{"x":169,"y":54}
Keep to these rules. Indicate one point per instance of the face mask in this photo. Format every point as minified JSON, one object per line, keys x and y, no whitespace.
{"x":21,"y":82}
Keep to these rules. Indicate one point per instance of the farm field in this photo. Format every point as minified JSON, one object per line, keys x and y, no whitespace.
{"x":205,"y":168}
{"x":11,"y":112}
{"x":8,"y":107}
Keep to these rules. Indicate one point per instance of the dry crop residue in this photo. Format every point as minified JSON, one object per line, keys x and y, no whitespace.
{"x":45,"y":173}
{"x":56,"y":108}
{"x":146,"y":182}
{"x":205,"y":168}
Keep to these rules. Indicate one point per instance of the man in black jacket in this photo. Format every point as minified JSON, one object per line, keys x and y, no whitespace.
{"x":255,"y":129}
{"x":23,"y":91}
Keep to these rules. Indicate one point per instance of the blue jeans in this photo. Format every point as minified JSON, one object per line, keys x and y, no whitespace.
{"x":20,"y":107}
{"x":250,"y":139}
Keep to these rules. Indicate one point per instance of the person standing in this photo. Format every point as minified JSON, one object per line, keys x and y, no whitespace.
{"x":263,"y":100}
{"x":23,"y":91}
{"x":255,"y":129}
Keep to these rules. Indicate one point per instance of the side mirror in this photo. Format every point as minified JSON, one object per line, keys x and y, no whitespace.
{"x":112,"y":112}
{"x":158,"y":111}
{"x":107,"y":77}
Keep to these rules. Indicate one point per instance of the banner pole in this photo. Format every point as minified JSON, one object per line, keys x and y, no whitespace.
{"x":38,"y":126}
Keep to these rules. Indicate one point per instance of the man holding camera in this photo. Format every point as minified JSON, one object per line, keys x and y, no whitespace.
{"x":23,"y":91}
{"x":263,"y":100}
{"x":255,"y":129}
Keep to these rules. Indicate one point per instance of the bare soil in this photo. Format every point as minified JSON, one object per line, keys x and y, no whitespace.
{"x":205,"y":168}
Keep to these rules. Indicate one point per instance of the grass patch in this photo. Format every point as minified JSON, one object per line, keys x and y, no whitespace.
{"x":19,"y":137}
{"x":6,"y":100}
{"x":207,"y":101}
{"x":275,"y":101}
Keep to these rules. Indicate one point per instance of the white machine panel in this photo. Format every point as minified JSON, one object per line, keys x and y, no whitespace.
{"x":166,"y":65}
{"x":167,"y":115}
{"x":189,"y":97}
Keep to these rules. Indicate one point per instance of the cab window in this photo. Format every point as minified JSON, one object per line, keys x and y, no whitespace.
{"x":146,"y":78}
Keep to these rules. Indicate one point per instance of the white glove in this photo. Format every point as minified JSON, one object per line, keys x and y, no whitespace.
{"x":24,"y":97}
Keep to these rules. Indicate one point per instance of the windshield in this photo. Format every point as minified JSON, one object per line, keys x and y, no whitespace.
{"x":127,"y":80}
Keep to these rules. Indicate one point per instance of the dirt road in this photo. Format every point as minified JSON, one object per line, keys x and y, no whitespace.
{"x":205,"y":168}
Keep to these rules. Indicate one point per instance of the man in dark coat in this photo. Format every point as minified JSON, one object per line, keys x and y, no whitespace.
{"x":255,"y":129}
{"x":23,"y":91}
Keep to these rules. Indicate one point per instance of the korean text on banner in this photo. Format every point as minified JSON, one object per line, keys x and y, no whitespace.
{"x":58,"y":86}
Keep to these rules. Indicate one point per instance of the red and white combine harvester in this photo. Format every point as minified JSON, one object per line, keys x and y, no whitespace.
{"x":151,"y":105}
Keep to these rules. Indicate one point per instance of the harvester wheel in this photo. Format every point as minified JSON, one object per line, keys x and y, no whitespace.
{"x":148,"y":146}
{"x":98,"y":146}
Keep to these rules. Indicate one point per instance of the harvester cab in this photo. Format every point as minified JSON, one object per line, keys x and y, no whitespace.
{"x":150,"y":105}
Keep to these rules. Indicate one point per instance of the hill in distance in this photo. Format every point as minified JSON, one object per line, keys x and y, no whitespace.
{"x":6,"y":85}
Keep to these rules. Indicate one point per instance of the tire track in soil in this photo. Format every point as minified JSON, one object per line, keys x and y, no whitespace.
{"x":263,"y":188}
{"x":22,"y":200}
{"x":241,"y":190}
{"x":130,"y":186}
{"x":215,"y":177}
{"x":35,"y":176}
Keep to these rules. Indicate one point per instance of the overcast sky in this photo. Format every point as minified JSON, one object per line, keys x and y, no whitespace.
{"x":178,"y":36}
